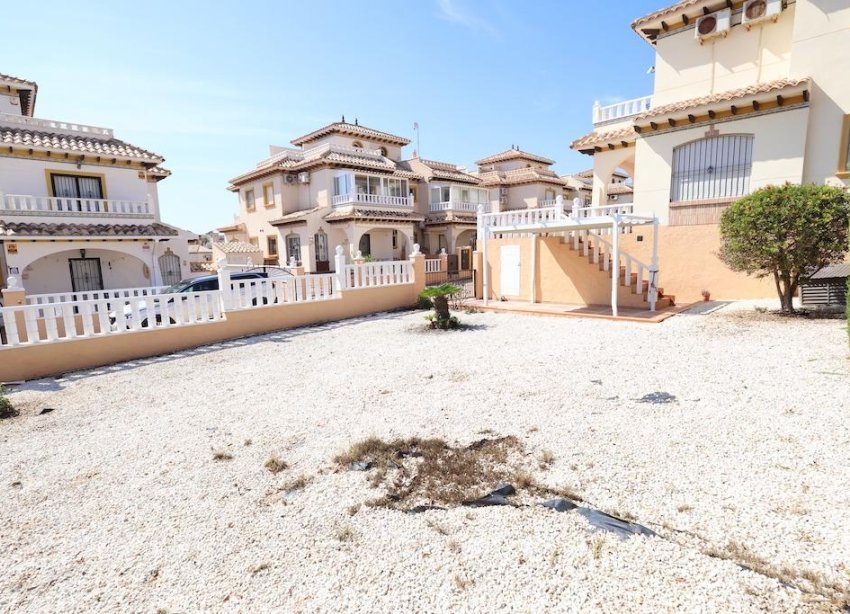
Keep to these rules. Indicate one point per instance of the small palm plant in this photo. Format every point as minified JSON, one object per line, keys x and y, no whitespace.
{"x":6,"y":408}
{"x":439,"y":297}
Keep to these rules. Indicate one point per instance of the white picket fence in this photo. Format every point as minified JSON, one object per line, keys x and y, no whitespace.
{"x":49,"y":322}
{"x":371,"y":274}
{"x":93,"y":295}
{"x":248,"y":293}
{"x":47,"y":318}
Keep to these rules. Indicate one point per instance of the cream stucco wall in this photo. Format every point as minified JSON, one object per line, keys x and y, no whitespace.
{"x":685,"y":69}
{"x":27,"y":176}
{"x":779,"y":149}
{"x":821,"y":45}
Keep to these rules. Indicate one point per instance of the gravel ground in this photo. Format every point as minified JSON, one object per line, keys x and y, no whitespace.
{"x":114,"y":500}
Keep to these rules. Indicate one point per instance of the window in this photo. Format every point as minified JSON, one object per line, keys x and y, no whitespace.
{"x":75,"y":187}
{"x":844,"y":153}
{"x":716,"y":167}
{"x":250,"y":204}
{"x":271,"y":245}
{"x":357,"y":145}
{"x":383,"y":151}
{"x":268,"y":194}
{"x":396,"y":187}
{"x":549,"y":195}
{"x":395,"y":239}
{"x":441,"y":194}
{"x":293,"y":249}
{"x":342,"y":185}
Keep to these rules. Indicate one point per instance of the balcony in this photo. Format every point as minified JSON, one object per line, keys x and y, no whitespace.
{"x":49,"y":206}
{"x":620,"y":110}
{"x":51,"y":125}
{"x":455,"y":205}
{"x":381,"y":200}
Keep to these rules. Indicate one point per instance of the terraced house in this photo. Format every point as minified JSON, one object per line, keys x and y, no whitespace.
{"x":747,"y":93}
{"x":79,"y":209}
{"x":343,"y":184}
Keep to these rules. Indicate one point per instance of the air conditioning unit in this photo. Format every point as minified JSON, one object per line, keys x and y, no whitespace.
{"x":758,"y":11}
{"x":290,"y":179}
{"x":713,"y":25}
{"x":304,"y":177}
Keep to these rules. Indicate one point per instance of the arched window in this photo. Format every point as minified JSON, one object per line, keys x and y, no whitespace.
{"x":713,"y":167}
{"x":383,"y":151}
{"x":357,"y":145}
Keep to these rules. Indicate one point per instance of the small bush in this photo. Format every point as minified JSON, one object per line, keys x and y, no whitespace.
{"x":275,"y":464}
{"x":423,"y":302}
{"x":222,"y":455}
{"x":7,"y":410}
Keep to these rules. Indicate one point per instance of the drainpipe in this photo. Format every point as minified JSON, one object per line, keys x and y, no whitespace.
{"x":653,"y":267}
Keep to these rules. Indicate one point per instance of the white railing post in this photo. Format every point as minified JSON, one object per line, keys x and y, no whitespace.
{"x":653,"y":267}
{"x":224,"y":285}
{"x":340,"y":277}
{"x":615,"y":277}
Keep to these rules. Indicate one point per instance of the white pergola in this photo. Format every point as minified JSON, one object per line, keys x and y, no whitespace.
{"x":553,"y":220}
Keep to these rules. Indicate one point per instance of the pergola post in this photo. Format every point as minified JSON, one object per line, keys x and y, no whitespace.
{"x":653,"y":266}
{"x":482,"y":236}
{"x":533,"y":267}
{"x":615,"y":264}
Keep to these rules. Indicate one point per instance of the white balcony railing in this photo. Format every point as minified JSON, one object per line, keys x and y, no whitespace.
{"x":341,"y":200}
{"x":454,"y":205}
{"x":620,"y":110}
{"x":24,"y":204}
{"x":54,"y":126}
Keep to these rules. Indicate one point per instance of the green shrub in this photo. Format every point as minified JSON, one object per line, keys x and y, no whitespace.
{"x":786,"y":232}
{"x":7,"y":410}
{"x":439,"y":297}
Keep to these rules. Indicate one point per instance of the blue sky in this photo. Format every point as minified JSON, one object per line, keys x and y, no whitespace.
{"x":210,"y":85}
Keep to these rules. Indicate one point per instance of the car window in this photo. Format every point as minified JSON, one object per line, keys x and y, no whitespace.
{"x":206,"y":286}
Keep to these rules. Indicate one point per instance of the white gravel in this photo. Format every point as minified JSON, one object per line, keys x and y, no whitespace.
{"x":113,"y":501}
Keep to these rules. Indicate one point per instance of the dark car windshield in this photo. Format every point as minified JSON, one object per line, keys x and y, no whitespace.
{"x":179,"y":286}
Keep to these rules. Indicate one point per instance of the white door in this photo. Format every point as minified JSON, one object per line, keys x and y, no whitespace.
{"x":509,"y":270}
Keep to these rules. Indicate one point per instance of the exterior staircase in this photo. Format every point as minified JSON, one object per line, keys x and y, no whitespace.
{"x":634,"y":275}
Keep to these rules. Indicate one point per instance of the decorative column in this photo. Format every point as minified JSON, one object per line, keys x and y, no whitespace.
{"x":224,"y":288}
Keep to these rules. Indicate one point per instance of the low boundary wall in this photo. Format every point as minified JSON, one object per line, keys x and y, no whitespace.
{"x":25,"y":362}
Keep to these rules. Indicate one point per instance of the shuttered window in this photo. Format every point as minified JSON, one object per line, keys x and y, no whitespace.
{"x":712,"y":168}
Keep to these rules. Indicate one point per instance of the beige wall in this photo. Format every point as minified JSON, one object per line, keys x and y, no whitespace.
{"x":821,"y":44}
{"x":778,"y":151}
{"x":685,"y":69}
{"x":563,"y":275}
{"x":688,"y":264}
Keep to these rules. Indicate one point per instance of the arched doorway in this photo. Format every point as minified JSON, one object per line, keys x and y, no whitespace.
{"x":169,"y":268}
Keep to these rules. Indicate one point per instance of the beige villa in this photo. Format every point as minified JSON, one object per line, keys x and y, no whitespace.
{"x":343,"y":184}
{"x":747,"y":94}
{"x":79,"y":208}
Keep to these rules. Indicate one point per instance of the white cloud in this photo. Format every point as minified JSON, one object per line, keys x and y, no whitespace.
{"x":451,"y":11}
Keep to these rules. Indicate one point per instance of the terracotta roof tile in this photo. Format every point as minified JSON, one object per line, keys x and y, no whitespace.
{"x":115,"y":148}
{"x":595,"y":138}
{"x":237,"y":247}
{"x":673,"y":8}
{"x":18,"y":80}
{"x":514,"y":154}
{"x":33,"y":229}
{"x":291,"y":218}
{"x":366,"y":213}
{"x":441,"y":170}
{"x":744,"y":92}
{"x":354,"y":130}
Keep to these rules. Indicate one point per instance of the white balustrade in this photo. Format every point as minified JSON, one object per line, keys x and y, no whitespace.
{"x":48,"y":322}
{"x":66,"y":206}
{"x":93,"y":295}
{"x":371,"y":274}
{"x":454,"y":205}
{"x":342,"y":200}
{"x":585,"y":212}
{"x":249,"y":293}
{"x":620,"y":110}
{"x":432,"y":265}
{"x":54,"y":126}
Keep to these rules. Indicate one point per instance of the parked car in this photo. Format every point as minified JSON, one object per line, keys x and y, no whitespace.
{"x":205,"y":283}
